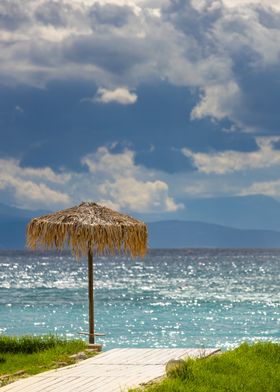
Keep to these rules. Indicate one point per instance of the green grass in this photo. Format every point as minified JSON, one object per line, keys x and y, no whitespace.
{"x":29,"y":344}
{"x":33,"y":355}
{"x":249,"y":368}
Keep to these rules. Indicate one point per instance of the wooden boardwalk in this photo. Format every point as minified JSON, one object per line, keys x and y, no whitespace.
{"x":112,"y":371}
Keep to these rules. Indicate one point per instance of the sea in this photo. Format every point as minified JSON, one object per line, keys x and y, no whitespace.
{"x":193,"y":298}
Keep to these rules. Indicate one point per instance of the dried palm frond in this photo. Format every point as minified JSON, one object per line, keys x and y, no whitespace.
{"x":88,"y":227}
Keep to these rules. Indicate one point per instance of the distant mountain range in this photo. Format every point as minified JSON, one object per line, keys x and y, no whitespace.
{"x":190,"y":234}
{"x":240,"y":222}
{"x":13,"y":223}
{"x":241,"y":212}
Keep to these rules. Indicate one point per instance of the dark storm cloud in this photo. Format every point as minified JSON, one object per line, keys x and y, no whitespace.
{"x":116,"y":56}
{"x":191,"y":48}
{"x":192,"y":22}
{"x":56,"y":129}
{"x":261,"y":97}
{"x":52,"y":13}
{"x":246,"y":43}
{"x":60,"y":14}
{"x":109,"y":14}
{"x":268,"y":18}
{"x":12,"y":15}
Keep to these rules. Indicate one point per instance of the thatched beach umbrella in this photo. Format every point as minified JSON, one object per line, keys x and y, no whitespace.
{"x":89,"y":229}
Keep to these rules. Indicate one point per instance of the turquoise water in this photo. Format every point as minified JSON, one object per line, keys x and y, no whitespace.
{"x":176,"y":298}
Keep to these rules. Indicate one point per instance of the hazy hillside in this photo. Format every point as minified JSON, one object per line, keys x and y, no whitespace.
{"x":12,"y":232}
{"x":13,"y":223}
{"x":163,"y":234}
{"x":181,"y":234}
{"x":242,"y":212}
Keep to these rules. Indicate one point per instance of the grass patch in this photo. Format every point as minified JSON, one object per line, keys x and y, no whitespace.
{"x":27,"y":355}
{"x":29,"y":344}
{"x":249,"y":368}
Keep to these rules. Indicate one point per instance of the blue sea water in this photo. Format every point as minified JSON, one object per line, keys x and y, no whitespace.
{"x":172,"y":298}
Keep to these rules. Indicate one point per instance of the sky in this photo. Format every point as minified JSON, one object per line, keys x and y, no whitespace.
{"x":138,"y":105}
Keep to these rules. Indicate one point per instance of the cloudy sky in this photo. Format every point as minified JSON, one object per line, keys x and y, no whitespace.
{"x":138,"y":104}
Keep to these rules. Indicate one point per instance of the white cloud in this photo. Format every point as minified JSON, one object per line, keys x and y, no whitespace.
{"x":13,"y":168}
{"x":193,"y":43}
{"x":240,"y":28}
{"x":211,"y":46}
{"x":268,"y":188}
{"x":121,"y":183}
{"x":139,"y":196}
{"x":114,"y":165}
{"x":197,"y":188}
{"x":241,"y":3}
{"x":29,"y":191}
{"x":115,"y":180}
{"x":131,"y":3}
{"x":218,"y":101}
{"x":30,"y":186}
{"x":232,"y":161}
{"x":119,"y":95}
{"x":206,"y":5}
{"x":112,"y":179}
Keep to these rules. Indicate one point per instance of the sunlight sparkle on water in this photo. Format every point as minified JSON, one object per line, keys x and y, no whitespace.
{"x":197,"y":298}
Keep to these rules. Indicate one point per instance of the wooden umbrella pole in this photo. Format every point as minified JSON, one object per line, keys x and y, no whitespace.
{"x":90,"y":297}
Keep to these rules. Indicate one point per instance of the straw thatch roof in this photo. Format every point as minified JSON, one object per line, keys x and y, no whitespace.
{"x":88,"y":226}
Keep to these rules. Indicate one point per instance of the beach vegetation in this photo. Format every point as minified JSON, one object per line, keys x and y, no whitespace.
{"x":29,"y":344}
{"x":248,"y":368}
{"x":28,"y":355}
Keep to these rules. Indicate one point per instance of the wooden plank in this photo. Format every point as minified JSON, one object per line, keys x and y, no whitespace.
{"x":122,"y":356}
{"x":42,"y":383}
{"x":108,"y":384}
{"x":112,"y":371}
{"x":89,"y":386}
{"x":159,"y":356}
{"x":138,"y":357}
{"x":95,"y":333}
{"x":116,"y":356}
{"x":52,"y":384}
{"x":104,"y":357}
{"x":32,"y":383}
{"x":68,"y":386}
